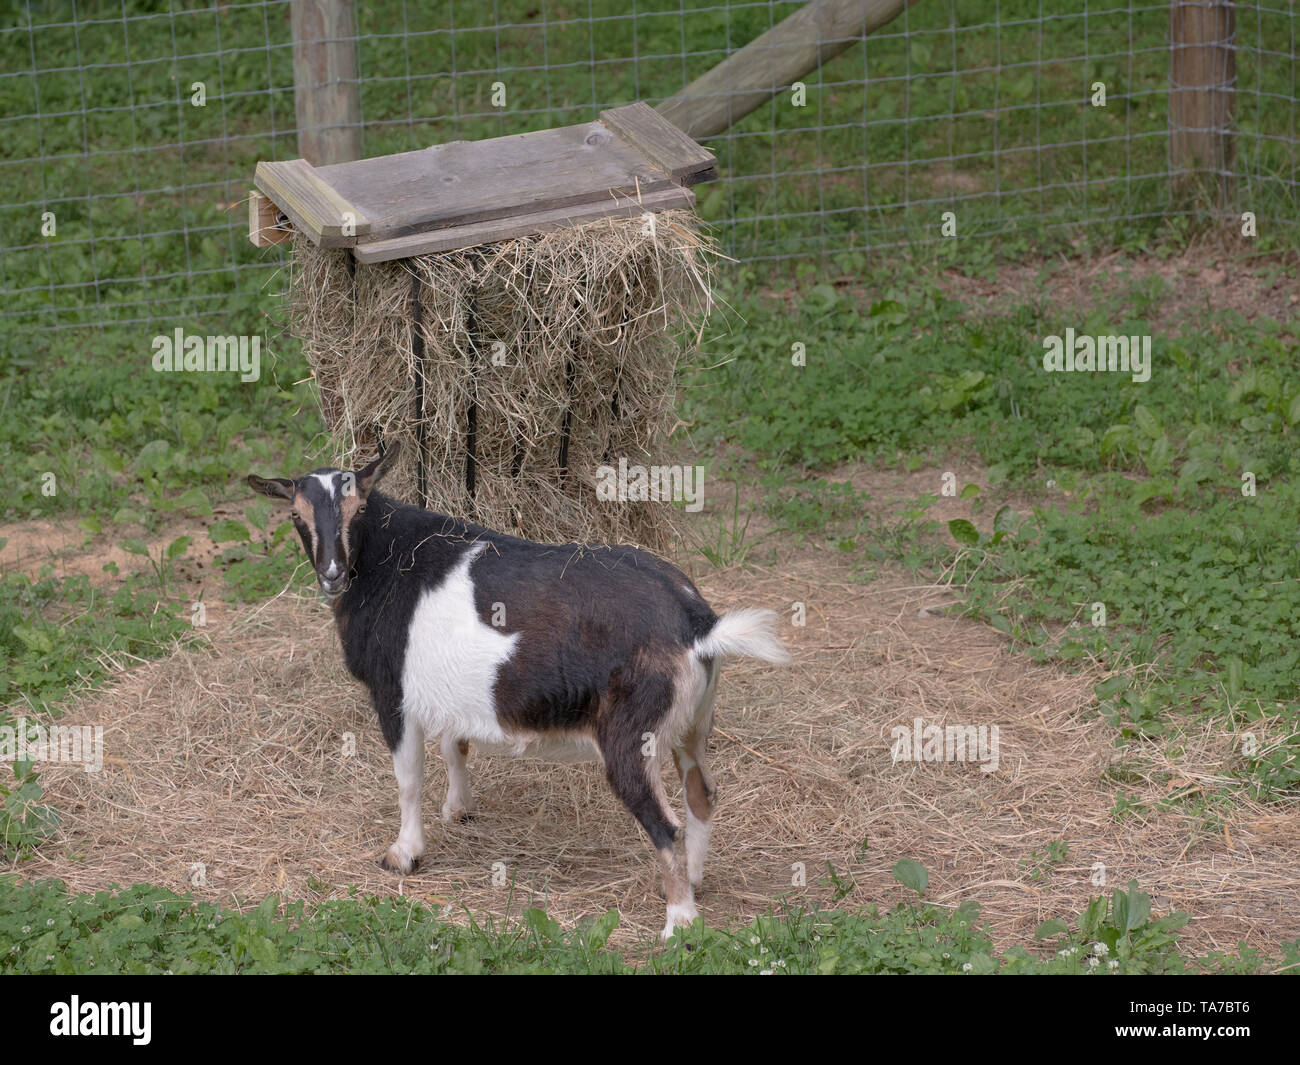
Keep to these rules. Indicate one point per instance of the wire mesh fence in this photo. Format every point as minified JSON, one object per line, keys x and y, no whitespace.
{"x":131,"y":128}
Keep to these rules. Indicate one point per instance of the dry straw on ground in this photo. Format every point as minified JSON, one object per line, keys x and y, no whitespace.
{"x":558,"y":349}
{"x":235,"y":760}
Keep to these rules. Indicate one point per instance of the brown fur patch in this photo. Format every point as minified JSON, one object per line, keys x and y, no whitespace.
{"x":307,"y":513}
{"x":697,"y":794}
{"x":348,"y":510}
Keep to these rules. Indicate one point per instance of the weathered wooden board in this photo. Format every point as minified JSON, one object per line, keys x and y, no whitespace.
{"x":470,"y":192}
{"x":448,"y":239}
{"x":661,"y":142}
{"x":312,"y":204}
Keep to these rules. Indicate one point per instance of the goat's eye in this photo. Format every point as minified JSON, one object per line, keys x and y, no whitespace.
{"x":293,"y":514}
{"x":361,"y":509}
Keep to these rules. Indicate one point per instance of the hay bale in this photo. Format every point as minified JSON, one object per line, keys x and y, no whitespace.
{"x":510,"y":372}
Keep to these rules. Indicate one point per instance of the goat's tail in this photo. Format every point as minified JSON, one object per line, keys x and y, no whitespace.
{"x":747,"y":633}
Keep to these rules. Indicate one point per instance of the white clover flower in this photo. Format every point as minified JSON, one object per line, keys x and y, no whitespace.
{"x":1100,"y":948}
{"x":762,"y":950}
{"x":1112,"y":964}
{"x":967,"y":967}
{"x":26,"y":928}
{"x":766,"y":972}
{"x":754,"y":941}
{"x":49,"y":923}
{"x":753,"y":963}
{"x":1093,"y":963}
{"x":780,"y":963}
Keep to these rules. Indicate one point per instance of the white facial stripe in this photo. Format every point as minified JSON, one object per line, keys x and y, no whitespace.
{"x":327,"y":480}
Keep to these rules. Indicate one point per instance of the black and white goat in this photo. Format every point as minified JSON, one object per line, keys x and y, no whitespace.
{"x":472,"y":636}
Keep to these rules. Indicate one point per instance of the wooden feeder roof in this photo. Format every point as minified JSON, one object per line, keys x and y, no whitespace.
{"x":464,"y":193}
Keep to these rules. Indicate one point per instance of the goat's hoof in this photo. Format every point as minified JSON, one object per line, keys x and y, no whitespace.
{"x":396,"y":860}
{"x":453,"y":815}
{"x":678,"y":917}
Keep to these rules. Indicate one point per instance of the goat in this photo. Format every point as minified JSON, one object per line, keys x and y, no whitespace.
{"x":473,"y":636}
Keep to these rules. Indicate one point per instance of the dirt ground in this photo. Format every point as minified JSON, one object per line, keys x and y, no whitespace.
{"x":255,"y":765}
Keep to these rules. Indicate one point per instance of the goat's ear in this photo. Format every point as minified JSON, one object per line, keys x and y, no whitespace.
{"x":280,"y":487}
{"x":369,"y":475}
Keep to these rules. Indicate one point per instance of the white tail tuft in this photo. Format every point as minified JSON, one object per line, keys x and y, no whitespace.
{"x":747,"y":633}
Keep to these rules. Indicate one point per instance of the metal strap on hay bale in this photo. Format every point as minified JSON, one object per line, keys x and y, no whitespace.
{"x":518,"y":308}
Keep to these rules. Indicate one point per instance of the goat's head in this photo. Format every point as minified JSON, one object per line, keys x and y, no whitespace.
{"x":326,"y":506}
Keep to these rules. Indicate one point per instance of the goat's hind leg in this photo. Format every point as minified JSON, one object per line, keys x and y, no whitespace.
{"x":408,"y":764}
{"x":636,"y":779}
{"x":691,"y":758}
{"x":460,"y":805}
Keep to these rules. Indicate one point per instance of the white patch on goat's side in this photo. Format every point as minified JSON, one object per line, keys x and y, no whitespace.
{"x":452,"y":659}
{"x":327,"y":481}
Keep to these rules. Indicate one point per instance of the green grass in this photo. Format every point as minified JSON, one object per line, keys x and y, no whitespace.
{"x":98,"y":439}
{"x":59,"y":635}
{"x":44,"y":929}
{"x":128,"y":444}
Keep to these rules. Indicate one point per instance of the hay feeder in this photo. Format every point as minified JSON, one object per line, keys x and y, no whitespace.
{"x":510,"y":310}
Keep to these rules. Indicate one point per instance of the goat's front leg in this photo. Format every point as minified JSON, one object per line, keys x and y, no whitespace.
{"x":408,"y":763}
{"x":460,"y":803}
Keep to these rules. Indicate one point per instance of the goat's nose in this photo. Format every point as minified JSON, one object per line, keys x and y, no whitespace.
{"x":332,"y":570}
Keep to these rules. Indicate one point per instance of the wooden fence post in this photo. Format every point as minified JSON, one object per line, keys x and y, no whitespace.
{"x":1202,"y":84}
{"x":326,"y":92}
{"x":748,"y":78}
